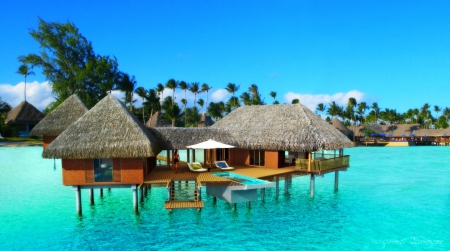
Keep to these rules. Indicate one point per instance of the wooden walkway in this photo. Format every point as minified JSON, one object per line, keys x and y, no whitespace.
{"x":169,"y":205}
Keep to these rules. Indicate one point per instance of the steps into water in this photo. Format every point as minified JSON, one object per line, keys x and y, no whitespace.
{"x":183,"y":194}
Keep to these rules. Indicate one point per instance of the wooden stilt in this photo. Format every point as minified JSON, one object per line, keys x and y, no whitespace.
{"x":91,"y":196}
{"x":248,"y":204}
{"x":54,"y":163}
{"x":135,"y":198}
{"x":336,"y":180}
{"x":100,"y":192}
{"x":78,"y":199}
{"x":277,"y":186}
{"x":286,"y":184}
{"x":263,"y":194}
{"x":234,"y":206}
{"x":311,"y":185}
{"x":145,"y":189}
{"x":141,"y":193}
{"x":214,"y":200}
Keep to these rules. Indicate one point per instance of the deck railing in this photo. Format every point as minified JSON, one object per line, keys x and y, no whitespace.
{"x":323,"y":164}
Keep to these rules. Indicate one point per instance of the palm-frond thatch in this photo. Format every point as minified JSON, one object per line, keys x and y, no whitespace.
{"x":171,"y":138}
{"x":24,"y":113}
{"x":336,"y":123}
{"x":156,"y":121}
{"x":62,"y":117}
{"x":281,"y":127}
{"x":402,"y":130}
{"x":108,"y":130}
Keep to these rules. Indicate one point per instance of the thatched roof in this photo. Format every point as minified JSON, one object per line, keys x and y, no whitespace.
{"x":205,"y":121}
{"x":24,"y":113}
{"x":156,"y":121}
{"x":62,"y":117}
{"x":108,"y":130}
{"x":281,"y":127}
{"x":336,"y":123}
{"x":171,"y":138}
{"x":402,"y":130}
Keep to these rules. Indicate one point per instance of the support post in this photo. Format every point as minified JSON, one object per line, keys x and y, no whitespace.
{"x":234,"y":206}
{"x":286,"y":184}
{"x":309,"y":161}
{"x":311,"y":185}
{"x":135,"y":198}
{"x":248,"y":204}
{"x":168,"y":158}
{"x":91,"y":196}
{"x":336,"y":180}
{"x":100,"y":192}
{"x":214,"y":200}
{"x":193,"y":155}
{"x":263,"y":194}
{"x":141,"y":193}
{"x":78,"y":199}
{"x":188,"y":157}
{"x":277,"y":186}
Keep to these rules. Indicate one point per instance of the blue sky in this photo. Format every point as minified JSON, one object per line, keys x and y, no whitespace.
{"x":396,"y":53}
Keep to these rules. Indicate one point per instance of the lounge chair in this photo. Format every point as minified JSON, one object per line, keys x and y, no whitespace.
{"x":223,"y":165}
{"x":1,"y":138}
{"x":196,"y":167}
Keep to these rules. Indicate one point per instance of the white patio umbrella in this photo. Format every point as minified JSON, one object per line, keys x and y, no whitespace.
{"x":210,"y":144}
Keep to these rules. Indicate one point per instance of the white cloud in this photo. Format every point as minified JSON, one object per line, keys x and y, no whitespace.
{"x":311,"y":101}
{"x":219,"y":95}
{"x":38,"y":94}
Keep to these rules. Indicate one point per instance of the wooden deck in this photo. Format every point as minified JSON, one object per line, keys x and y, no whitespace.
{"x":169,"y":205}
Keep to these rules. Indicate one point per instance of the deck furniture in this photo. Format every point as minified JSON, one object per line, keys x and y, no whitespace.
{"x":223,"y":165}
{"x":196,"y":167}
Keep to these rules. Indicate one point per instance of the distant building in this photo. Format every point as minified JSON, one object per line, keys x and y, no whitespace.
{"x":24,"y":117}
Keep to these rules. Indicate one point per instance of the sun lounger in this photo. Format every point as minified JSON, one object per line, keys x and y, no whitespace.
{"x":223,"y":165}
{"x":196,"y":167}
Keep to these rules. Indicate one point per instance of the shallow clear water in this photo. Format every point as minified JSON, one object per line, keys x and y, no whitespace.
{"x":390,"y":199}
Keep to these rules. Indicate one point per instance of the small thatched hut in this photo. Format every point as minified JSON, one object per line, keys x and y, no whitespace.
{"x":59,"y":119}
{"x":264,"y":133}
{"x":107,"y":144}
{"x":336,"y":123}
{"x":156,"y":121}
{"x":24,"y":117}
{"x":205,"y":121}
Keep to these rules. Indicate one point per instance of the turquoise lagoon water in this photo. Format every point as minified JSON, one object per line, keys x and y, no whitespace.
{"x":390,"y":199}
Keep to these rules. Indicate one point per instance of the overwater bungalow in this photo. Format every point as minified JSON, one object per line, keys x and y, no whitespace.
{"x":108,"y":147}
{"x":24,"y":118}
{"x":59,"y":119}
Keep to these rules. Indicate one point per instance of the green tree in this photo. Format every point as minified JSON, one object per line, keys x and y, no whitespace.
{"x":193,"y":117}
{"x":69,"y":62}
{"x":206,"y":88}
{"x":195,"y":88}
{"x":273,"y":95}
{"x":216,"y":110}
{"x":25,"y":71}
{"x":246,"y":98}
{"x":201,"y":103}
{"x":160,"y":90}
{"x":334,"y":109}
{"x":172,"y":84}
{"x":127,"y":85}
{"x":233,"y":88}
{"x":142,"y":93}
{"x":255,"y":96}
{"x":376,"y":111}
{"x":321,"y":108}
{"x":361,"y":110}
{"x":184,"y":87}
{"x":295,"y":101}
{"x":152,"y":102}
{"x":171,"y":110}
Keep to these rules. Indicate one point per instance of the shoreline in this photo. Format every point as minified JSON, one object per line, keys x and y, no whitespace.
{"x":19,"y":144}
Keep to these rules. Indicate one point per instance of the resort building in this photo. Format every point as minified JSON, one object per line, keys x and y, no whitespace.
{"x":24,"y":117}
{"x":59,"y":119}
{"x":108,"y":147}
{"x":400,"y":135}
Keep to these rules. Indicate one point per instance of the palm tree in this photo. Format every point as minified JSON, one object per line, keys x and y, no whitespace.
{"x":141,"y":92}
{"x":437,"y":109}
{"x":255,"y":95}
{"x":376,"y":109}
{"x":321,"y":108}
{"x":195,"y":88}
{"x":362,"y":107}
{"x":25,"y":71}
{"x":206,"y":88}
{"x":171,"y":110}
{"x":232,"y":88}
{"x":424,"y":112}
{"x":246,"y":99}
{"x":334,"y":109}
{"x":446,"y":112}
{"x":152,"y":101}
{"x":295,"y":101}
{"x":172,"y":84}
{"x":127,"y":85}
{"x":201,"y":103}
{"x":184,"y":87}
{"x":273,"y":95}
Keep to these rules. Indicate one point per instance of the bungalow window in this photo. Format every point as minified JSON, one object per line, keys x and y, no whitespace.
{"x":103,"y":170}
{"x":222,"y":154}
{"x":256,"y":157}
